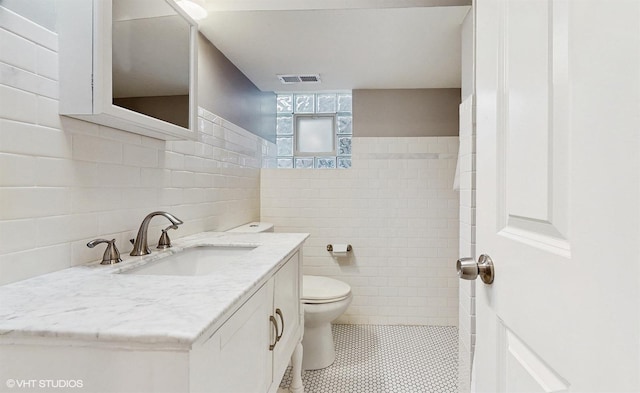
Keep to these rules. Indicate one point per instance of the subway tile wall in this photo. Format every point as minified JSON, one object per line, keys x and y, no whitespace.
{"x":64,"y":181}
{"x":396,"y":206}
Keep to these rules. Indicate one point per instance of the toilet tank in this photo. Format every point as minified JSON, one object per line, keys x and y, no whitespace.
{"x":253,"y":227}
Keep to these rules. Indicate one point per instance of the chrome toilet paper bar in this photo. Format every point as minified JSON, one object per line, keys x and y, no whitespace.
{"x":339,"y":248}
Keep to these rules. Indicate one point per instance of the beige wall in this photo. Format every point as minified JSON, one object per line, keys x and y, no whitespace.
{"x":405,"y":112}
{"x":224,"y":90}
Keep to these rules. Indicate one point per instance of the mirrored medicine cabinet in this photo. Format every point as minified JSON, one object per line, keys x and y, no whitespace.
{"x":129,"y":64}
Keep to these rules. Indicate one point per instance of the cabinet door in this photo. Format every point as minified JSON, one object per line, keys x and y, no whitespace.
{"x":112,"y":71}
{"x":286,"y":300}
{"x":236,"y":359}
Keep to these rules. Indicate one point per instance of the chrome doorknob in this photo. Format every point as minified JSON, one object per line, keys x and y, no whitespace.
{"x":468,"y":269}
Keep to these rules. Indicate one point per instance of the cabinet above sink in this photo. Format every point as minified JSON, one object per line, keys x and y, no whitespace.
{"x":129,"y":64}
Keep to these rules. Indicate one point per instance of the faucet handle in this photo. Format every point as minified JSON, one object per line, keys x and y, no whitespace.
{"x":111,"y":254}
{"x":164,"y":241}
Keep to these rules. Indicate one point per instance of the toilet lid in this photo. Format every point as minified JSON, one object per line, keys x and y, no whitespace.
{"x":317,"y":288}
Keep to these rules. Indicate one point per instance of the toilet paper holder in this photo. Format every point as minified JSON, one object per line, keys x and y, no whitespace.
{"x":330,"y":247}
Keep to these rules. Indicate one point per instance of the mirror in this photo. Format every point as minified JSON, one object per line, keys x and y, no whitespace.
{"x":130,"y":65}
{"x":151,"y":60}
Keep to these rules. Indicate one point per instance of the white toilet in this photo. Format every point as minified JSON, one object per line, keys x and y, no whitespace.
{"x":324,"y":299}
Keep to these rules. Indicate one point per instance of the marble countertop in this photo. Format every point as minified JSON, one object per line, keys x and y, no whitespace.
{"x":94,"y":302}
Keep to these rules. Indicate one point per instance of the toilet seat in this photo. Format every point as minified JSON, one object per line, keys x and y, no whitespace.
{"x":319,"y":290}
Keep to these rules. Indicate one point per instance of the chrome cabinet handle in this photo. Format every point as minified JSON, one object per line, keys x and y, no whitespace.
{"x":468,"y":269}
{"x":279,"y":313}
{"x":275,"y":324}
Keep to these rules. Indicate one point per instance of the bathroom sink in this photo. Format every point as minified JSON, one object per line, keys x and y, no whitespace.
{"x":195,"y":261}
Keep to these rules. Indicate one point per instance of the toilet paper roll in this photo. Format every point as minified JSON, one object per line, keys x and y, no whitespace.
{"x":340,"y":249}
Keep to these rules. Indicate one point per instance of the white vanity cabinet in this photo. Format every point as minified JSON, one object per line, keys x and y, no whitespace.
{"x":289,"y":314}
{"x":237,"y":359}
{"x":246,"y":350}
{"x":251,"y":351}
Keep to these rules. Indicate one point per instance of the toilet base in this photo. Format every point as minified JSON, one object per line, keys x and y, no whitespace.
{"x":319,"y":351}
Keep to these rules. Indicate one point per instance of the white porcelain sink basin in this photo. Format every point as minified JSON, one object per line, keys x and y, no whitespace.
{"x":195,"y":261}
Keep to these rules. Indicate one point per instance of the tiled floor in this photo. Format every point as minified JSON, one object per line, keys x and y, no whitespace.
{"x":386,"y":359}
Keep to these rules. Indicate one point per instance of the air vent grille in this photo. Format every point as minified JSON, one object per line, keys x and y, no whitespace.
{"x":306,"y":78}
{"x":309,"y":78}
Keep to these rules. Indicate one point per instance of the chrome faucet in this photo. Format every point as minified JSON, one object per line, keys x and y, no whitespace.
{"x":141,"y":246}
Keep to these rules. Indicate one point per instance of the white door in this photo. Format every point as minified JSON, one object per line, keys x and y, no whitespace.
{"x":558,"y":195}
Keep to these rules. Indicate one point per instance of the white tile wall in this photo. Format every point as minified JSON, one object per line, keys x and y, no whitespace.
{"x":467,"y":324}
{"x":64,"y":181}
{"x":397,"y":208}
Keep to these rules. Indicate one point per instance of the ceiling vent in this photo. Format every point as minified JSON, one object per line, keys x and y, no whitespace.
{"x":306,"y":78}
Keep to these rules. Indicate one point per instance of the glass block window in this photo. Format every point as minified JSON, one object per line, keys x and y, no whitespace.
{"x":315,"y":135}
{"x":314,"y":130}
{"x":305,"y":163}
{"x":344,"y":125}
{"x":304,"y":103}
{"x":285,"y":147}
{"x":344,"y":103}
{"x":326,"y":103}
{"x":285,"y":103}
{"x":284,"y":125}
{"x":285,"y":162}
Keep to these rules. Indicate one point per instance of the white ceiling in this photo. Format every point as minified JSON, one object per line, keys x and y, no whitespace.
{"x":352,"y":44}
